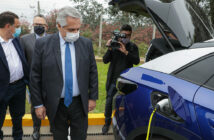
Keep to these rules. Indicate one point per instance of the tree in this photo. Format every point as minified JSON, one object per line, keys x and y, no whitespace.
{"x":208,"y":8}
{"x":117,"y":16}
{"x":212,"y":11}
{"x":25,"y":26}
{"x":51,"y":21}
{"x":91,"y":11}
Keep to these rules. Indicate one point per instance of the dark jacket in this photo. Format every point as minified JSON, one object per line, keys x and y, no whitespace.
{"x":4,"y":69}
{"x":119,"y":62}
{"x":159,"y":47}
{"x":28,"y":44}
{"x":46,"y":77}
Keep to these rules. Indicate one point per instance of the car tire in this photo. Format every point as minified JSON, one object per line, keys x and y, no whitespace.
{"x":154,"y":137}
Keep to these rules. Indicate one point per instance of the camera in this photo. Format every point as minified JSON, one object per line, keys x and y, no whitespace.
{"x":117,"y":36}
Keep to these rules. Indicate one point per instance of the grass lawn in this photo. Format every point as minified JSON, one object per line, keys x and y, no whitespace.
{"x":102,"y":75}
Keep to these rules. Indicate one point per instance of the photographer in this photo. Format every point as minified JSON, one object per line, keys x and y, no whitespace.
{"x":121,"y":54}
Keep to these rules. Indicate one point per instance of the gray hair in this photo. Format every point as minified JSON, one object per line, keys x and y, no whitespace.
{"x":67,"y":12}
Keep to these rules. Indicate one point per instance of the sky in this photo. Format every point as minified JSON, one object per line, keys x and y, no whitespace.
{"x":25,"y":9}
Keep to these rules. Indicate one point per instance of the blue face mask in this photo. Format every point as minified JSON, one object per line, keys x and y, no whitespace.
{"x":17,"y":32}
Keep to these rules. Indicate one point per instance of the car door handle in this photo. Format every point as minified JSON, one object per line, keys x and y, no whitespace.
{"x":211,"y":122}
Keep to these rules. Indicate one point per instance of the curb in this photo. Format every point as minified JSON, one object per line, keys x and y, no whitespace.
{"x":93,"y":119}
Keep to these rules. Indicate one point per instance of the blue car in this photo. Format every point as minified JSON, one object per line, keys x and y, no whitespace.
{"x":178,"y":85}
{"x":185,"y":80}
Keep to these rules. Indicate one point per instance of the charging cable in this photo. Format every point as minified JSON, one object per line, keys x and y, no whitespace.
{"x":159,"y":106}
{"x":150,"y":121}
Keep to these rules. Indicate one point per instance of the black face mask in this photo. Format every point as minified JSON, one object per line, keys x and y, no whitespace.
{"x":39,"y":30}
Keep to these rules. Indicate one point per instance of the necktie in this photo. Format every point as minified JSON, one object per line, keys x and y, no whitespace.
{"x":68,"y":77}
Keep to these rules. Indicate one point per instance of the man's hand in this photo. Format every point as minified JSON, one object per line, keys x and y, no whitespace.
{"x":123,"y":48}
{"x":108,"y":44}
{"x":40,"y":112}
{"x":91,"y":105}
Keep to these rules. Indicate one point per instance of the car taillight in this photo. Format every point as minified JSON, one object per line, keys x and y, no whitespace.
{"x":125,"y":86}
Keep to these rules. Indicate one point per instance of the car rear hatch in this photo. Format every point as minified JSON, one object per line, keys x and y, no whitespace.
{"x":183,"y":18}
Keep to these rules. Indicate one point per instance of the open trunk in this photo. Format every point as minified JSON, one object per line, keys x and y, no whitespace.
{"x":186,"y":21}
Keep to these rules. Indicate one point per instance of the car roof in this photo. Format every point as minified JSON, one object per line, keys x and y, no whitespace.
{"x":173,"y":61}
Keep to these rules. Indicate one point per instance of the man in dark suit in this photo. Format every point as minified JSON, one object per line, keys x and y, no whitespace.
{"x":64,"y":79}
{"x":28,"y":43}
{"x":13,"y":75}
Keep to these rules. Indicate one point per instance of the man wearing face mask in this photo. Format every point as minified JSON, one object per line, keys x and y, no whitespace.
{"x":17,"y":25}
{"x":18,"y":28}
{"x":28,"y":43}
{"x":63,"y":78}
{"x":13,"y":75}
{"x":120,"y":59}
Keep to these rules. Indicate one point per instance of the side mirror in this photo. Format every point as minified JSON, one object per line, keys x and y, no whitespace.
{"x":125,"y":86}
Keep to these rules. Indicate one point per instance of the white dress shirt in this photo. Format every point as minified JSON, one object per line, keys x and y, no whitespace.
{"x":74,"y":72}
{"x":13,"y":60}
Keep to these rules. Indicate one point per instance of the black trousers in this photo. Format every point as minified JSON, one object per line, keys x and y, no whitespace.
{"x":108,"y":107}
{"x":73,"y":117}
{"x":15,"y":99}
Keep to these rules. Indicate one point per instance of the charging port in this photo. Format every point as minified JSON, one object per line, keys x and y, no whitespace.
{"x":163,"y":105}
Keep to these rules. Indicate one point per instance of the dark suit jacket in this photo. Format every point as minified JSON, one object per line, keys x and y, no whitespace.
{"x":28,"y":44}
{"x":46,"y":78}
{"x":119,"y":62}
{"x":4,"y":69}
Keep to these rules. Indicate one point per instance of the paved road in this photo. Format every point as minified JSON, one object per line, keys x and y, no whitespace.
{"x":108,"y":137}
{"x":94,"y":133}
